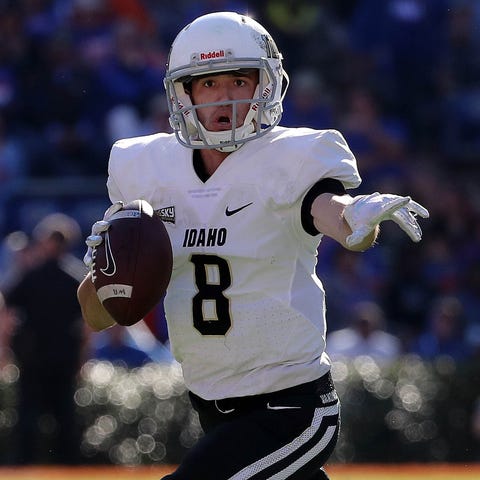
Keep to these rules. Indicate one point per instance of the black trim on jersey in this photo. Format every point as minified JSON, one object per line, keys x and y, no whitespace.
{"x":199,"y":166}
{"x":326,"y":185}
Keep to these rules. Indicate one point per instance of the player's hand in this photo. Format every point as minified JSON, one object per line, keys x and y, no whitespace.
{"x":95,"y":238}
{"x":367,"y":211}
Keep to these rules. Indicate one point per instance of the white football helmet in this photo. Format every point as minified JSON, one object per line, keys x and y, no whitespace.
{"x":220,"y":42}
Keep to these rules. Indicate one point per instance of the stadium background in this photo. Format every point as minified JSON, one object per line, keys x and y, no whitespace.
{"x":399,"y":78}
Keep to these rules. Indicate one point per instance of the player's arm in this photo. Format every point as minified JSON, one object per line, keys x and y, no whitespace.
{"x":328,"y":217}
{"x":93,"y":311}
{"x":323,"y":212}
{"x":354,"y":221}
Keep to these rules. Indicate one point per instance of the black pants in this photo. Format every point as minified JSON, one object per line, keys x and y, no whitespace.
{"x":48,"y":393}
{"x":287,"y":434}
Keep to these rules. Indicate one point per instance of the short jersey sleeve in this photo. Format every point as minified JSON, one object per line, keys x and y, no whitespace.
{"x":134,"y":165}
{"x":304,"y":157}
{"x":330,"y":157}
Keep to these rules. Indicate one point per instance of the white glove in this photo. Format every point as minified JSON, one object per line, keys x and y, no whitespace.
{"x":95,"y":238}
{"x":367,"y":211}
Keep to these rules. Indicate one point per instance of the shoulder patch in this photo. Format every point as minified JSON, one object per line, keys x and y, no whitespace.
{"x":167,"y":214}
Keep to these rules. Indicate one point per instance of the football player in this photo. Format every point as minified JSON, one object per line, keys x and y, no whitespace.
{"x":246,"y":203}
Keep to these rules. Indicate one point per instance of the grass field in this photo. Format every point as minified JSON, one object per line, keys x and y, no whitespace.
{"x":336,"y":472}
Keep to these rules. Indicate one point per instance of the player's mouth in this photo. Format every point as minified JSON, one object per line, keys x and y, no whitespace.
{"x":224,"y":122}
{"x":220,"y":122}
{"x":223,"y":119}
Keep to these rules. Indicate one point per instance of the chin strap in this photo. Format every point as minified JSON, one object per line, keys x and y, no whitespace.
{"x":216,"y":138}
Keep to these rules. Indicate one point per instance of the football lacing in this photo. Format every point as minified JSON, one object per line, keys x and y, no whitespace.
{"x":94,"y":255}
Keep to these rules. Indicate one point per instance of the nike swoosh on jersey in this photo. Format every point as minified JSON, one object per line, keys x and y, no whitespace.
{"x":228,"y":212}
{"x":281,"y":407}
{"x":230,"y":410}
{"x":110,"y":267}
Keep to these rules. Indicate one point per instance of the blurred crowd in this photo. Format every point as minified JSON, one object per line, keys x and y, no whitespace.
{"x":399,"y":78}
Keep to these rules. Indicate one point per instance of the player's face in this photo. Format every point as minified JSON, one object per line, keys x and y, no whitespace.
{"x":226,"y":86}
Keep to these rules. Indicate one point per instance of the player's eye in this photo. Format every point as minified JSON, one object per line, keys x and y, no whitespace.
{"x":208,"y":83}
{"x":239,"y":82}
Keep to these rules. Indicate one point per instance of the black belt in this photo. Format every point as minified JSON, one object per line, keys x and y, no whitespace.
{"x":321,"y":391}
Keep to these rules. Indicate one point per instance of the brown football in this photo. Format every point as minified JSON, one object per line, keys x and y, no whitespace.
{"x":133,"y":264}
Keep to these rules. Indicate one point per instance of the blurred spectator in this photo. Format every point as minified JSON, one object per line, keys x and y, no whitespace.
{"x":7,"y":322}
{"x":13,"y":49}
{"x":399,"y":46}
{"x":469,"y":295}
{"x":347,"y":279}
{"x":366,"y":335}
{"x":60,"y":132}
{"x":444,"y":332}
{"x":309,"y":36}
{"x":472,"y":336}
{"x":47,"y":342}
{"x":122,"y":121}
{"x":476,"y":428}
{"x":117,"y":349}
{"x":131,"y":347}
{"x":461,"y":132}
{"x":157,"y":116}
{"x":13,"y":164}
{"x":90,"y":23}
{"x":379,"y":142}
{"x":308,"y":104}
{"x":195,"y":9}
{"x":157,"y":324}
{"x":135,"y":11}
{"x":441,"y":270}
{"x":408,"y":294}
{"x":17,"y":255}
{"x":128,"y":76}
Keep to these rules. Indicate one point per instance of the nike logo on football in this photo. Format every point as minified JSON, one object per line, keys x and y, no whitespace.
{"x":228,"y":212}
{"x":110,"y":267}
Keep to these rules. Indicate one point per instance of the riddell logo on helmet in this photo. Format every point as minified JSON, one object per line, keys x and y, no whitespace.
{"x":213,"y":54}
{"x":266,"y":93}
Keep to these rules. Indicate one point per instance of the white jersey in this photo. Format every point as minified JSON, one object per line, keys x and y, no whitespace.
{"x":245,"y":310}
